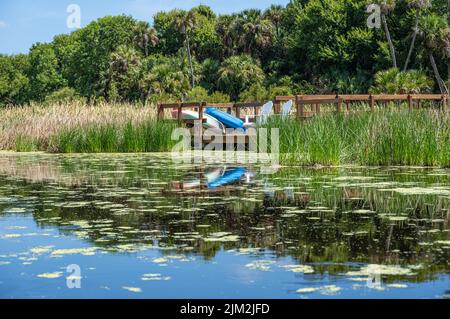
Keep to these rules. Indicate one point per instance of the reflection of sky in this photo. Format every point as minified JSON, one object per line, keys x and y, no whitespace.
{"x":24,"y":22}
{"x":224,"y":276}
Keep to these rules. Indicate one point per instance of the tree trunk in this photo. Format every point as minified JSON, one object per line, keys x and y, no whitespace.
{"x":188,"y":47}
{"x":146,"y":45}
{"x":439,"y":80}
{"x":413,"y":41}
{"x":389,"y":39}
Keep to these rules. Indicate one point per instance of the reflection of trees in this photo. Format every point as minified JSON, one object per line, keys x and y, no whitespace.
{"x":275,"y":221}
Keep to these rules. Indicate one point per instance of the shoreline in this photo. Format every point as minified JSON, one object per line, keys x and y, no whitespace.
{"x":385,"y":137}
{"x":169,"y":154}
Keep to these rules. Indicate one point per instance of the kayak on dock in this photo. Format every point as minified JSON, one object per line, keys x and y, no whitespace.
{"x":227,"y":119}
{"x":211,"y":122}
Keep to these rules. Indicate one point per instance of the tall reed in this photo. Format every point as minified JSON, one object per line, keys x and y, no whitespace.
{"x":33,"y":125}
{"x":148,"y":136}
{"x":384,"y":137}
{"x":392,"y":136}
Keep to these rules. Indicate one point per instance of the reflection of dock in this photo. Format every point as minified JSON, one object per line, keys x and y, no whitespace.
{"x":202,"y":190}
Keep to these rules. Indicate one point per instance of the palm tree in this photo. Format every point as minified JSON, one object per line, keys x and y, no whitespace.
{"x":238,"y":73}
{"x":435,"y":35}
{"x":145,"y":36}
{"x":185,"y":22}
{"x":224,"y":28}
{"x":255,"y":31}
{"x":124,"y":66}
{"x":386,"y":7}
{"x":123,"y":58}
{"x":418,"y":5}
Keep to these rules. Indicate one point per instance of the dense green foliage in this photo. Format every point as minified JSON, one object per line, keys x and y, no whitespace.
{"x":309,"y":46}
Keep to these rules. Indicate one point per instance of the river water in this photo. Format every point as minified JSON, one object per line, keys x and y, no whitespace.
{"x":141,"y":226}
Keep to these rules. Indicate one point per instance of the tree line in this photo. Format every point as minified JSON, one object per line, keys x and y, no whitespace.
{"x":308,"y":46}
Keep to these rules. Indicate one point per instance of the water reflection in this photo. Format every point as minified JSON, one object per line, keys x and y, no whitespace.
{"x":213,"y":178}
{"x":350,"y":223}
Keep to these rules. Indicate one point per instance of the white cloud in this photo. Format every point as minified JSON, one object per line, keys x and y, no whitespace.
{"x":3,"y":24}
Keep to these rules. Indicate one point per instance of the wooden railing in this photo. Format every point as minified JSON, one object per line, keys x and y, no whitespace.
{"x":314,"y":101}
{"x":372,"y":99}
{"x":200,"y":106}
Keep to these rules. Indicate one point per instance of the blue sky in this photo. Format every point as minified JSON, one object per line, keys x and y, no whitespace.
{"x":24,"y":22}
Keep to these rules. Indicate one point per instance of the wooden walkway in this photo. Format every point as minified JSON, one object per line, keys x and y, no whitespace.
{"x":305,"y":106}
{"x":310,"y":105}
{"x":373,"y":100}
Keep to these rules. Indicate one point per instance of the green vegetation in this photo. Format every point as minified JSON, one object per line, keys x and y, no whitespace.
{"x":35,"y":127}
{"x":308,"y":46}
{"x":147,"y":136}
{"x":384,"y":137}
{"x":391,"y":136}
{"x":393,"y":81}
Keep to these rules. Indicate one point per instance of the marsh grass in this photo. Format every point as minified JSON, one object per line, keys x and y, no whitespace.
{"x":384,"y":137}
{"x":148,"y":136}
{"x":25,"y":144}
{"x":387,"y":136}
{"x":34,"y":125}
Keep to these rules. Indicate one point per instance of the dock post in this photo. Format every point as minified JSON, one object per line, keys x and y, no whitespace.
{"x":200,"y":118}
{"x":159,"y":115}
{"x":446,"y":104}
{"x":179,"y":108}
{"x":238,"y":110}
{"x":200,"y":110}
{"x":339,"y":104}
{"x":372,"y":102}
{"x":299,"y":106}
{"x":277,"y":105}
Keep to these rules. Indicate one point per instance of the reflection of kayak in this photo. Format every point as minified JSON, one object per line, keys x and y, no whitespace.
{"x":228,"y":177}
{"x":191,"y":184}
{"x":210,"y":176}
{"x":214,"y":174}
{"x":211,"y":122}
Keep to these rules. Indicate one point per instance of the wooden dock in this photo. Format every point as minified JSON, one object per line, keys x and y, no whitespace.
{"x":305,"y":106}
{"x":310,"y":105}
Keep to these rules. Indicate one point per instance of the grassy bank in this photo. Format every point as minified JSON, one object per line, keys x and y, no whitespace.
{"x":384,"y":137}
{"x":76,"y":128}
{"x":33,"y":127}
{"x":147,"y":136}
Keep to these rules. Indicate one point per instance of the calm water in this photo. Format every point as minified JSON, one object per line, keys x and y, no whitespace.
{"x":139,"y":226}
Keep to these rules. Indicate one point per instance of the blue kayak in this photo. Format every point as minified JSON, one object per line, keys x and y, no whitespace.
{"x":225,"y":118}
